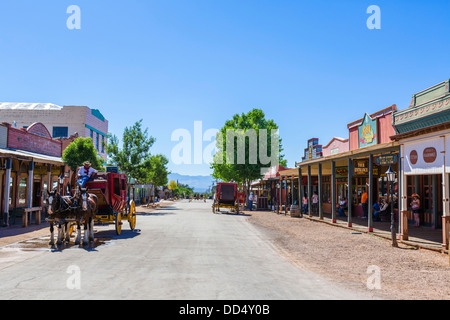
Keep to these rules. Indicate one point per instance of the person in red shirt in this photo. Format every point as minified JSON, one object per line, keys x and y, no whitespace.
{"x":364,"y":200}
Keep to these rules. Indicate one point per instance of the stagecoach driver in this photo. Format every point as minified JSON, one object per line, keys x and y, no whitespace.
{"x":85,"y":173}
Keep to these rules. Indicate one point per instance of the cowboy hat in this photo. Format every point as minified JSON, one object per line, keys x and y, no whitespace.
{"x":415,"y":195}
{"x":86,"y":163}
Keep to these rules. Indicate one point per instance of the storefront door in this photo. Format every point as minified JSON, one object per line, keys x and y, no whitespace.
{"x":428,"y":188}
{"x":37,"y":193}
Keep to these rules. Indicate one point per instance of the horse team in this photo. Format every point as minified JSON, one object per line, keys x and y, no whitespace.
{"x":64,"y":211}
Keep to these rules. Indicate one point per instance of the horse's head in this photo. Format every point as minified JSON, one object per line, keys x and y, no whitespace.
{"x":53,"y":201}
{"x":84,"y":199}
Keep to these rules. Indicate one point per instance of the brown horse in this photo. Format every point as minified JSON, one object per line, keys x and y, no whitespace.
{"x":59,"y":209}
{"x":87,"y":210}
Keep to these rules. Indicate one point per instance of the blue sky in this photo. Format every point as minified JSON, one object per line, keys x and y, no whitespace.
{"x":312,"y":66}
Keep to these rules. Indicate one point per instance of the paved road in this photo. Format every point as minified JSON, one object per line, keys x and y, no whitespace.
{"x":180,"y":252}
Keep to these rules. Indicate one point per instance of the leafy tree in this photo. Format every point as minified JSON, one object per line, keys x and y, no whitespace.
{"x":155,"y":171}
{"x":172,"y":185}
{"x":79,"y":151}
{"x":244,"y":147}
{"x":183,"y":190}
{"x":134,"y":156}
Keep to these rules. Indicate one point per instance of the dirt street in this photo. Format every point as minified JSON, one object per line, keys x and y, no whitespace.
{"x":343,"y":257}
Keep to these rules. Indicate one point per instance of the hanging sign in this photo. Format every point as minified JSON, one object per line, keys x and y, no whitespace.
{"x":386,"y":160}
{"x":368,"y":132}
{"x":361,"y":167}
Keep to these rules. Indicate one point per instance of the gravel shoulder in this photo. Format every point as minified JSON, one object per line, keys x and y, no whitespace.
{"x":352,"y":260}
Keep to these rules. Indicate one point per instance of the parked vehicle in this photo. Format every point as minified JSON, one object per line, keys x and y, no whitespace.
{"x":226,"y":197}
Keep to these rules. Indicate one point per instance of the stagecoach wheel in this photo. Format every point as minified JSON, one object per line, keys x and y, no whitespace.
{"x":132,"y":215}
{"x":118,"y":223}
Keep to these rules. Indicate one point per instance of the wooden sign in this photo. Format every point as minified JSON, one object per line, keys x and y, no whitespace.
{"x":429,"y":155}
{"x":361,"y":167}
{"x":341,"y":172}
{"x":413,"y":157}
{"x":386,"y":160}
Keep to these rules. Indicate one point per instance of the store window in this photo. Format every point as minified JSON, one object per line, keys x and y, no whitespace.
{"x":60,"y":132}
{"x":326,"y":189}
{"x":22,"y":192}
{"x":11,"y":191}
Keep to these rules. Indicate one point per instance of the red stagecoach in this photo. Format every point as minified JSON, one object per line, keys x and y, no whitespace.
{"x":111,"y":190}
{"x":226,"y":196}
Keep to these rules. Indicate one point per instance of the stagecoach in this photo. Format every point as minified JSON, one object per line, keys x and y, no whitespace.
{"x":111,"y":190}
{"x":226,"y":197}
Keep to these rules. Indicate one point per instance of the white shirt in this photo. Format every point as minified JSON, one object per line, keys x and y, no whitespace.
{"x":82,"y":172}
{"x":315,"y":198}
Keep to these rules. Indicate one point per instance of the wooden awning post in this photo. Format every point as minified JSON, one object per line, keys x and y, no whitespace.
{"x":333,"y":191}
{"x":320,"y":192}
{"x":350,"y":194}
{"x":309,"y":191}
{"x":300,"y":191}
{"x":30,"y":183}
{"x":7,"y":190}
{"x":370,"y":196}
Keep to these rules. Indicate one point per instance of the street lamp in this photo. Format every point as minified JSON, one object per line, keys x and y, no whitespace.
{"x":390,"y":174}
{"x":61,"y":183}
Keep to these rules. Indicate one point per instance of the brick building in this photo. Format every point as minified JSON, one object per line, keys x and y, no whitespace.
{"x":30,"y":164}
{"x":62,"y":122}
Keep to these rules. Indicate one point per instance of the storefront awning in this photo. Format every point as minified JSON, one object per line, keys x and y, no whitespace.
{"x":341,"y":159}
{"x":31,"y":156}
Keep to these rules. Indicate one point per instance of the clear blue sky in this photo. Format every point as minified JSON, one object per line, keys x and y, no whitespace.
{"x":312,"y":66}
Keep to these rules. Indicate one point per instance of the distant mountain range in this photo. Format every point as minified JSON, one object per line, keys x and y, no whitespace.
{"x":199,"y":183}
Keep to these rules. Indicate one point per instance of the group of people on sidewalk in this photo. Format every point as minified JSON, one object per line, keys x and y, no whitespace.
{"x":380,"y":208}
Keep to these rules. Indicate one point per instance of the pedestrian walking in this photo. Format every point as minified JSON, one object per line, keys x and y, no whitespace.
{"x":305,"y":203}
{"x":415,"y":207}
{"x":315,"y":202}
{"x":364,"y":200}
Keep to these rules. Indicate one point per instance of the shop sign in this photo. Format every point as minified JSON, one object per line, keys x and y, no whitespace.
{"x":386,"y":160}
{"x":40,"y":170}
{"x":429,"y":155}
{"x":56,"y":171}
{"x":413,"y":157}
{"x":341,"y":172}
{"x":361,"y":168}
{"x":368,"y":132}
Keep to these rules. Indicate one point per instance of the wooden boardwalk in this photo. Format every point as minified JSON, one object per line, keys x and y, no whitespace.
{"x":422,"y":237}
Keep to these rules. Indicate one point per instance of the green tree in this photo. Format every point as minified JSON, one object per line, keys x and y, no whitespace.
{"x":244,"y":145}
{"x":134,"y":156}
{"x":183,"y":190}
{"x":155,"y":171}
{"x":79,"y":151}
